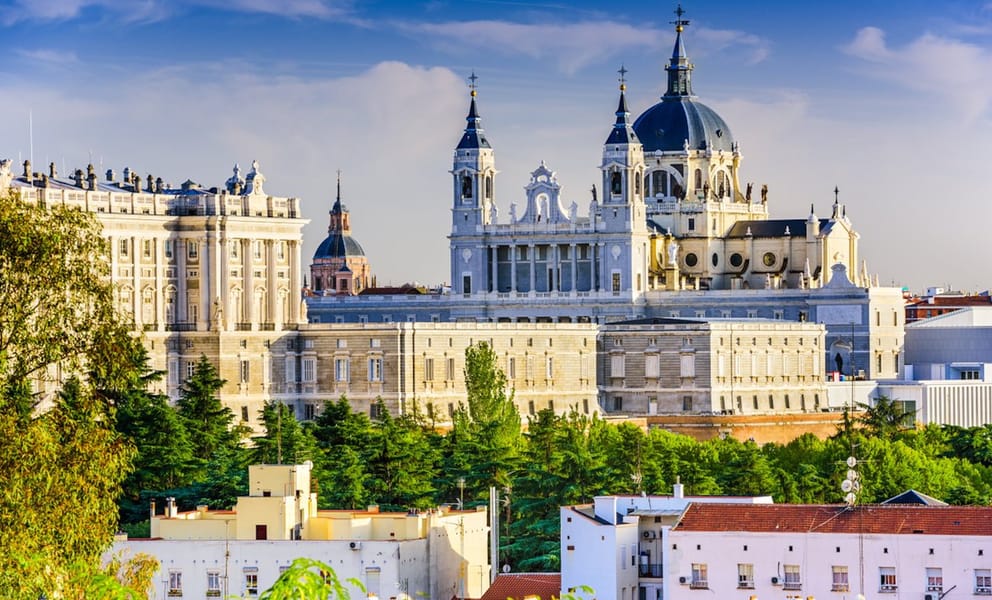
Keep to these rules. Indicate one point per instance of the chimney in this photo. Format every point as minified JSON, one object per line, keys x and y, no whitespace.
{"x":44,"y":180}
{"x":27,"y":169}
{"x":159,"y":185}
{"x":678,"y":490}
{"x":91,"y":177}
{"x":52,"y":173}
{"x":151,"y":183}
{"x":111,"y":175}
{"x":78,"y":177}
{"x":170,"y":507}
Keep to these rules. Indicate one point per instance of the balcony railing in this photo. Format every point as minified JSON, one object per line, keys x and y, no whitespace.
{"x":649,"y":570}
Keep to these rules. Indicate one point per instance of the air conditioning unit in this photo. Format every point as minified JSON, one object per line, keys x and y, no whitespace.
{"x":774,"y":580}
{"x":355,"y":545}
{"x":648,"y":535}
{"x":683,"y":580}
{"x":929,"y":596}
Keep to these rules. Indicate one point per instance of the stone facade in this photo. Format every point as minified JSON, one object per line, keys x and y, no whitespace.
{"x":672,"y":367}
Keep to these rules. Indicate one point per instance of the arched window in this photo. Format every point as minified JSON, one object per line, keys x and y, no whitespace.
{"x":699,"y":179}
{"x":466,"y":187}
{"x":616,"y":185}
{"x":637,"y":185}
{"x":489,"y":187}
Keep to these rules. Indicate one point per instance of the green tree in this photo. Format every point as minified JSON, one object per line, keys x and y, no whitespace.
{"x":56,"y":300}
{"x":886,"y":417}
{"x":486,"y":425}
{"x":62,"y":463}
{"x":208,"y":422}
{"x":401,"y":463}
{"x":285,"y":440}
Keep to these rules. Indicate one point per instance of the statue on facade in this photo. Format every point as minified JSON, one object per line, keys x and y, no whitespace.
{"x":493,"y":213}
{"x":764,"y":193}
{"x":513,"y":212}
{"x":673,"y":252}
{"x":573,"y":211}
{"x":218,"y":316}
{"x":747,"y":194}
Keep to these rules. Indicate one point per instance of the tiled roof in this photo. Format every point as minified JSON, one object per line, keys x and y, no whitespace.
{"x":517,"y":586}
{"x":812,"y":518}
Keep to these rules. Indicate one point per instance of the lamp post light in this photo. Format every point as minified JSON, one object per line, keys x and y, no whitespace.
{"x":461,"y":493}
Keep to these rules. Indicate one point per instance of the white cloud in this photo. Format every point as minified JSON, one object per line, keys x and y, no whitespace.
{"x":390,"y":129}
{"x":954,"y":70}
{"x":571,"y":45}
{"x":154,"y":10}
{"x":49,"y":56}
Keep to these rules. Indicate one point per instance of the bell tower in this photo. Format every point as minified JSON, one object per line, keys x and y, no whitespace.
{"x":624,"y":253}
{"x":473,"y":176}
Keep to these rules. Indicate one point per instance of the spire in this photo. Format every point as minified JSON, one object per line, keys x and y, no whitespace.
{"x":340,"y":220}
{"x":473,"y":137}
{"x":679,"y":68}
{"x":622,"y":132}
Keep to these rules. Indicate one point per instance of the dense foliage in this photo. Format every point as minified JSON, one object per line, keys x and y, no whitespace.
{"x":65,"y":361}
{"x":402,"y":462}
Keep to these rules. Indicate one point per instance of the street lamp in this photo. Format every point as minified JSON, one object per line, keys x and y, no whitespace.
{"x":461,"y":493}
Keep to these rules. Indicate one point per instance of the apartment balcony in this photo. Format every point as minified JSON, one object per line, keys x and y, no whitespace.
{"x":650,"y":571}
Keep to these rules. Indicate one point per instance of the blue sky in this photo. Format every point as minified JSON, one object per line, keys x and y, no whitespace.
{"x":891,"y":102}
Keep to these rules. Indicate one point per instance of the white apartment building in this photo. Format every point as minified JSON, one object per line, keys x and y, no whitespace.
{"x":241,"y":552}
{"x":617,"y":544}
{"x":829,"y":551}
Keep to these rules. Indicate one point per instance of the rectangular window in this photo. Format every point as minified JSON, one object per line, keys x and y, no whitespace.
{"x":245,"y":371}
{"x":244,"y":414}
{"x":168,"y":249}
{"x":511,"y":368}
{"x":530,"y":408}
{"x":191,"y":249}
{"x":745,"y":576}
{"x":309,"y":412}
{"x":251,"y":581}
{"x":449,"y":369}
{"x":617,"y":403}
{"x":688,"y":365}
{"x":146,"y":248}
{"x":257,"y":248}
{"x":375,"y":369}
{"x":935,"y":579}
{"x":791,"y":580}
{"x":428,"y":369}
{"x":190,"y":368}
{"x":549,"y":368}
{"x":699,"y":577}
{"x":652,"y":366}
{"x":309,"y":370}
{"x":213,"y":584}
{"x":341,"y":369}
{"x":983,"y":582}
{"x":616,"y":283}
{"x":617,"y":365}
{"x":887,"y":579}
{"x":125,"y":246}
{"x":687,"y":403}
{"x":839,"y":581}
{"x":175,"y":583}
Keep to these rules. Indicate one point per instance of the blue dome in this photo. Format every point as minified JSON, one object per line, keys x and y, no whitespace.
{"x":667,"y":125}
{"x":338,"y":245}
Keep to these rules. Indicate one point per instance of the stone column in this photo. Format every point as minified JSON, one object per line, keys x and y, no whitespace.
{"x":138,"y":298}
{"x":270,"y":282}
{"x":533,"y":266}
{"x":493,"y":253}
{"x":575,"y":266}
{"x":513,"y":268}
{"x":294,"y":281}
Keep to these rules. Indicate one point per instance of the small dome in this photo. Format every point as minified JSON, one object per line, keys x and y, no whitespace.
{"x":338,"y":245}
{"x":667,"y":126}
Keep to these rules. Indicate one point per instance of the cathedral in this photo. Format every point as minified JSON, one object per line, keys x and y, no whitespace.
{"x":668,"y":232}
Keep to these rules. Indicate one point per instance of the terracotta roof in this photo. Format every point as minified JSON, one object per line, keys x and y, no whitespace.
{"x":874,"y":519}
{"x":517,"y":586}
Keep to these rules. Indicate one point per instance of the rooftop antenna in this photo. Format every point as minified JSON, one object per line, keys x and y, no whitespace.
{"x":31,"y":135}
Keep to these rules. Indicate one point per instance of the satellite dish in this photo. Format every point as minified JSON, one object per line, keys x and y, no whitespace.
{"x":852,"y":462}
{"x":506,"y":568}
{"x":846,"y":485}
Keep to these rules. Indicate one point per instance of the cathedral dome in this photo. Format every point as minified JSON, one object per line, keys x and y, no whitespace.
{"x":338,"y":245}
{"x":677,"y":120}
